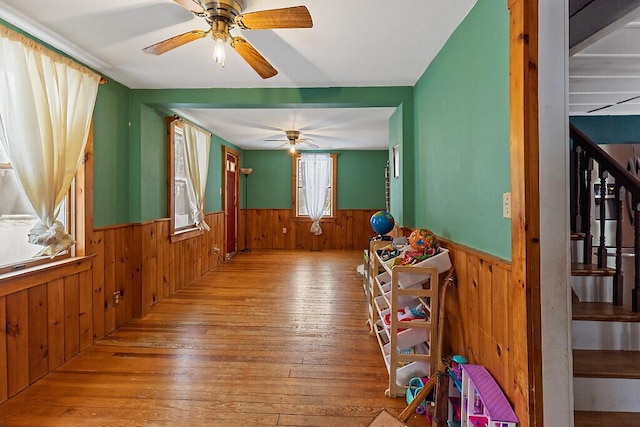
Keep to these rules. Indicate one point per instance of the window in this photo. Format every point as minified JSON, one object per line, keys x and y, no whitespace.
{"x":17,"y":218}
{"x":180,"y":209}
{"x":186,"y":189}
{"x":298,"y":190}
{"x":46,"y":106}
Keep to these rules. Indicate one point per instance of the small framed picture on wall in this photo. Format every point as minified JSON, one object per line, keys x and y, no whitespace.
{"x":396,"y":161}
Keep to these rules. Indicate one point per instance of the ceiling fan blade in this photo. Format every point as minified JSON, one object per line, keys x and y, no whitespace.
{"x":190,"y":5}
{"x":174,"y":42}
{"x":309,"y":144}
{"x":253,"y":58}
{"x":277,"y":140}
{"x":287,"y":17}
{"x":283,"y":145}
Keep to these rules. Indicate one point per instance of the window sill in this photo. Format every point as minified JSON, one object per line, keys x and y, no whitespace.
{"x":20,"y":280}
{"x":324,"y":219}
{"x":184,"y":235}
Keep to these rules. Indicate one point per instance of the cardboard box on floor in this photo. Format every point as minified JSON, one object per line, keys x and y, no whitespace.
{"x":385,"y":419}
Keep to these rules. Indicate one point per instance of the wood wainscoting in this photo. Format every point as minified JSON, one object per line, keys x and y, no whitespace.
{"x":484,"y":321}
{"x":57,"y":311}
{"x":349,"y":229}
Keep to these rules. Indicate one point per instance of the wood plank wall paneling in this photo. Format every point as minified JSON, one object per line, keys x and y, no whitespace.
{"x":4,"y":371}
{"x":349,"y":229}
{"x":55,"y":322}
{"x":51,"y":319}
{"x":17,"y":341}
{"x":38,"y":339}
{"x":481,"y":325}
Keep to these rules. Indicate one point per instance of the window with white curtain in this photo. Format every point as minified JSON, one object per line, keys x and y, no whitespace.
{"x":298,"y":194}
{"x":181,"y":206}
{"x":17,"y":219}
{"x":188,"y":161}
{"x":46,"y":105}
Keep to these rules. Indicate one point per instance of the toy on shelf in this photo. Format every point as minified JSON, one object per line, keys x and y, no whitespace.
{"x":382,"y":223}
{"x":453,"y":366}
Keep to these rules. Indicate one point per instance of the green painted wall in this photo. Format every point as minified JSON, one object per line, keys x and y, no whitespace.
{"x":462,"y":134}
{"x":153,"y":170}
{"x":396,"y":186}
{"x":360,"y":177}
{"x":111,"y":155}
{"x":269,"y":185}
{"x":609,"y":129}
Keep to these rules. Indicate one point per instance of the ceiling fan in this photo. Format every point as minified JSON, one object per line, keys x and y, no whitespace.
{"x":293,"y":139}
{"x":223,"y":15}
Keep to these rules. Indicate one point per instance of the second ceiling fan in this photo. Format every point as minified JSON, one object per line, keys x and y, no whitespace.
{"x":293,"y":139}
{"x":223,"y":15}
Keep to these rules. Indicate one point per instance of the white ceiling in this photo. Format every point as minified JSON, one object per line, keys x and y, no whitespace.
{"x":330,"y":128}
{"x":604,"y":78}
{"x":352,"y":43}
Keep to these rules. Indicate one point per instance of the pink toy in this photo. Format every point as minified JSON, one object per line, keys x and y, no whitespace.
{"x":483,"y":403}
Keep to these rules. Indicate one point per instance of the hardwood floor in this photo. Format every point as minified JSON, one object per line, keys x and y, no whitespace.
{"x":271,"y":338}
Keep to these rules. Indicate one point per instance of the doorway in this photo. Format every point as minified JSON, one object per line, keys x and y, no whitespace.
{"x":231,"y":182}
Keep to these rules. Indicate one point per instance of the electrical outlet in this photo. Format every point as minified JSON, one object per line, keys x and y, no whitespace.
{"x":284,"y":230}
{"x":116,"y":298}
{"x":506,"y":205}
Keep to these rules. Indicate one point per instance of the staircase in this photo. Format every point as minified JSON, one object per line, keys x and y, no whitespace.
{"x":606,"y":321}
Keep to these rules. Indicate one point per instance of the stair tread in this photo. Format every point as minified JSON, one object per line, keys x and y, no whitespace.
{"x":577,"y":236}
{"x":599,"y":419}
{"x":606,"y":364}
{"x":604,"y":312}
{"x":580,"y":269}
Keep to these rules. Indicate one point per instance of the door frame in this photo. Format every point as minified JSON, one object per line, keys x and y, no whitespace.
{"x":225,"y":151}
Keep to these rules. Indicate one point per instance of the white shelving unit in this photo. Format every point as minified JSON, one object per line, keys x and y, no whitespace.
{"x":405,"y":345}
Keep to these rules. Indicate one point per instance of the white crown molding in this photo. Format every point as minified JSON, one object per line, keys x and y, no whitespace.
{"x":36,"y":30}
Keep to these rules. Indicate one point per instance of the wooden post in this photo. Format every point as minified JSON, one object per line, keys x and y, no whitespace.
{"x":526,"y":352}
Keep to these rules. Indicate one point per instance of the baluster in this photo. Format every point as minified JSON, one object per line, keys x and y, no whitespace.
{"x":585,"y":196}
{"x":602,"y":250}
{"x":575,"y":183}
{"x":635,"y":295}
{"x":618,"y":277}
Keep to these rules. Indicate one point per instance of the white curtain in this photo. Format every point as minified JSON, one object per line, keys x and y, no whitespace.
{"x":197,"y":143}
{"x":316,"y":178}
{"x":46,"y":105}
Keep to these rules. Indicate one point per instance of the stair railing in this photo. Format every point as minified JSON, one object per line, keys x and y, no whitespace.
{"x":584,"y":152}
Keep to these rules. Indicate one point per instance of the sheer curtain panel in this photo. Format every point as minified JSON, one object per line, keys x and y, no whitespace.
{"x":46,"y":105}
{"x":197,"y":143}
{"x":316,"y":177}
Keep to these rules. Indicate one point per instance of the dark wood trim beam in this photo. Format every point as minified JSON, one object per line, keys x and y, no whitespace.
{"x":590,"y":21}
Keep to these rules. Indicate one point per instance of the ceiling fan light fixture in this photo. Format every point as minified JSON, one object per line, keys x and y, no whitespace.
{"x":219,"y":54}
{"x":220,"y":35}
{"x":292,"y":149}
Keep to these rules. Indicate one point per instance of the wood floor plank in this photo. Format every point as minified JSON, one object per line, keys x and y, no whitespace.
{"x":269,"y":338}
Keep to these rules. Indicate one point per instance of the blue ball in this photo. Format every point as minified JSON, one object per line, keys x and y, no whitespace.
{"x":382,"y":222}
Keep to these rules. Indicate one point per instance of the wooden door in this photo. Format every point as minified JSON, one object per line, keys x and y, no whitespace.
{"x":231,"y":201}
